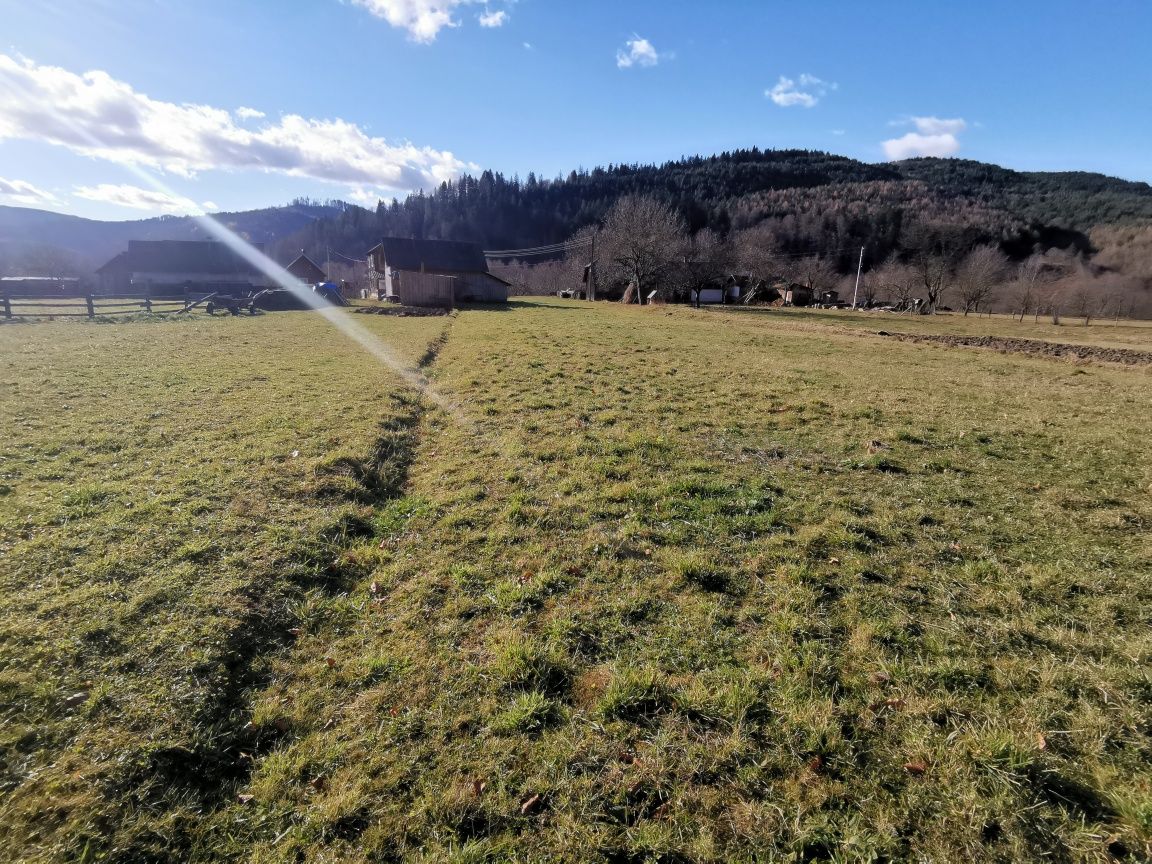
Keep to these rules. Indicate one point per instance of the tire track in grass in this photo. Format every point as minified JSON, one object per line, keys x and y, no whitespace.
{"x":209,"y":772}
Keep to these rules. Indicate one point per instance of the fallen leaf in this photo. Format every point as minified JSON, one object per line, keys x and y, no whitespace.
{"x":478,"y":787}
{"x":529,"y":804}
{"x":374,"y":587}
{"x":319,"y":783}
{"x":879,"y":677}
{"x":1041,"y":741}
{"x":816,"y":764}
{"x":76,"y":699}
{"x":244,"y":799}
{"x":833,"y":560}
{"x":331,"y":661}
{"x":916,"y":768}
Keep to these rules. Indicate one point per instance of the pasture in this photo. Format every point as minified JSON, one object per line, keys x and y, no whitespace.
{"x":622,"y":585}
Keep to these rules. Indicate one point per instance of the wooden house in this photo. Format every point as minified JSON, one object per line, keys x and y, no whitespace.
{"x":394,"y":262}
{"x":166,"y":267}
{"x":306,"y":270}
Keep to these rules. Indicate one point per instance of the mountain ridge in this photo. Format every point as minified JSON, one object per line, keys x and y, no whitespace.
{"x":813,"y":200}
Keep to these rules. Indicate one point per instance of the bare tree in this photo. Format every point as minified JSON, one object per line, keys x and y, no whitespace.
{"x":935,"y":253}
{"x":813,"y":272}
{"x":897,"y":280}
{"x":705,"y":260}
{"x":870,"y":288}
{"x":756,"y":253}
{"x":641,"y":241}
{"x":978,"y":275}
{"x":1061,"y":268}
{"x":1084,"y":298}
{"x":1028,"y":286}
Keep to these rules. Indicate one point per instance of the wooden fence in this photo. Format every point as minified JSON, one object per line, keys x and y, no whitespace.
{"x":93,"y":305}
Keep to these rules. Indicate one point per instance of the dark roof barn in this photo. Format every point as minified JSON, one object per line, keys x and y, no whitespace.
{"x":187,"y":256}
{"x":434,"y":256}
{"x":306,"y":270}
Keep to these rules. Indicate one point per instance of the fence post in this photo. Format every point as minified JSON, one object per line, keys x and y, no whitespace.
{"x":148,"y":297}
{"x":7,"y":307}
{"x":91,"y":306}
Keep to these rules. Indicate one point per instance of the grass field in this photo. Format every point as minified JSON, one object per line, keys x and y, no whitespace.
{"x":627,"y":585}
{"x":1105,"y":332}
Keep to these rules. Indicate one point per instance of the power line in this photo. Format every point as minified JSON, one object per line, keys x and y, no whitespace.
{"x":332,"y":251}
{"x":550,"y":249}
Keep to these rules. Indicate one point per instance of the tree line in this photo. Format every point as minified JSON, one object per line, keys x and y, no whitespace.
{"x":647,"y":246}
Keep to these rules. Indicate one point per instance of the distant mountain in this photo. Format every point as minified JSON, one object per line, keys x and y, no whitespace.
{"x":26,"y":233}
{"x":810,"y":201}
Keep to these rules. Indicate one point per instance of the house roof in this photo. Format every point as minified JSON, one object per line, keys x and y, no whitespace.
{"x":179,"y":256}
{"x":118,"y":264}
{"x":500,"y":279}
{"x":307,"y":269}
{"x":401,"y":253}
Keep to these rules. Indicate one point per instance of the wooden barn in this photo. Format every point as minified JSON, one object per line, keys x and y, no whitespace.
{"x":169,"y":266}
{"x":306,"y":270}
{"x":394,"y":260}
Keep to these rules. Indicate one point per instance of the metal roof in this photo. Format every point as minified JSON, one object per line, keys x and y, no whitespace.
{"x":401,"y":253}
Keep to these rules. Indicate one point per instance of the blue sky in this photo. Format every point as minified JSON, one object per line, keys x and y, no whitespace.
{"x":127,"y":108}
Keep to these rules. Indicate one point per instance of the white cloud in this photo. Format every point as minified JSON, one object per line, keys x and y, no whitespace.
{"x":528,"y":46}
{"x":938,"y":126}
{"x":98,"y":116}
{"x":23,"y":192}
{"x":806,"y":91}
{"x":367,"y":197}
{"x":249,"y":114}
{"x":838,"y":131}
{"x":424,"y":19}
{"x":934,"y":136}
{"x":637,"y":52}
{"x":492,"y":19}
{"x":124,"y":195}
{"x":209,"y":206}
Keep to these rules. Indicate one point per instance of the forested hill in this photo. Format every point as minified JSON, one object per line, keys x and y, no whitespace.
{"x":39,"y":241}
{"x":811,"y":202}
{"x":814,"y":201}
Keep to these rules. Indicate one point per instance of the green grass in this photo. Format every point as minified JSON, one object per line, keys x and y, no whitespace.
{"x":653,"y":584}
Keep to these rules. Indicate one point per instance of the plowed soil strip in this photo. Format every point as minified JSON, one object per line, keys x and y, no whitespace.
{"x":1035,"y":347}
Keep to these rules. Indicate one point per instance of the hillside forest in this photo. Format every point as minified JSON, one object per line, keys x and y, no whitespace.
{"x":951,"y":232}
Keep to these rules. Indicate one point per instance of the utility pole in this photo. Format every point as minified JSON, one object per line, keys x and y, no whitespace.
{"x":328,"y":274}
{"x":859,"y":268}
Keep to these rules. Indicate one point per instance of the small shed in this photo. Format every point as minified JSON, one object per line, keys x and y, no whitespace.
{"x":794,"y":294}
{"x":708,"y":296}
